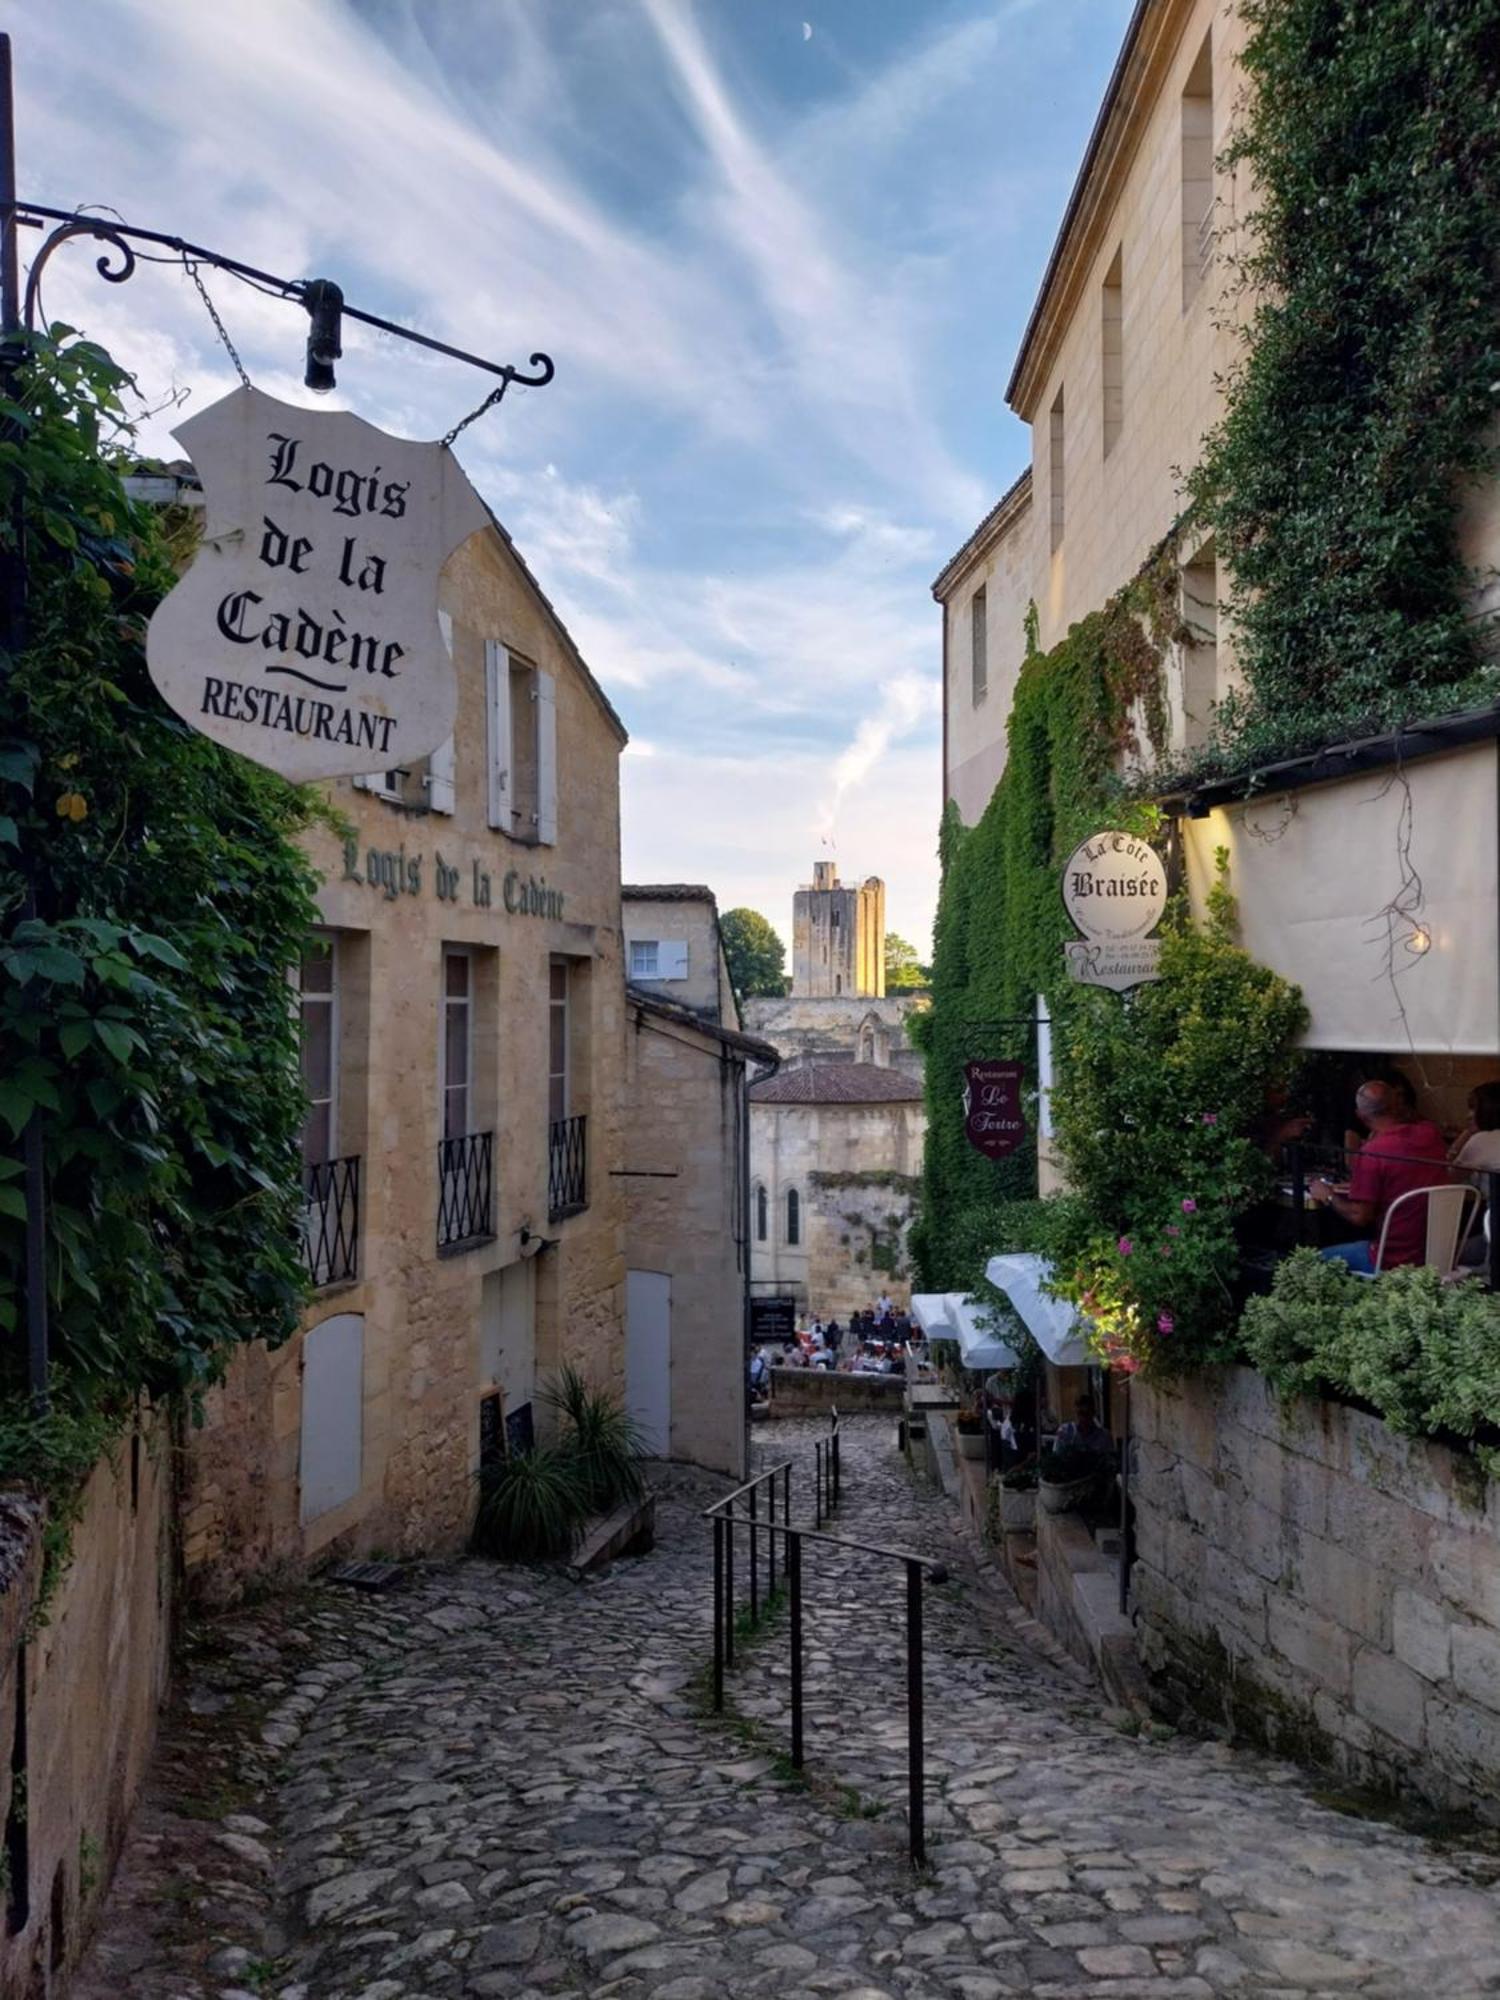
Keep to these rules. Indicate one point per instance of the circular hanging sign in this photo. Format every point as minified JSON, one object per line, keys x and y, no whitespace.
{"x":1115,"y":887}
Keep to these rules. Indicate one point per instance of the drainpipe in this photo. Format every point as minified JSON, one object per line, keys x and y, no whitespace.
{"x":748,"y":1238}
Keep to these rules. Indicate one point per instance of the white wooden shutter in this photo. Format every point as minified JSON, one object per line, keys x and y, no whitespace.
{"x":441,"y":789}
{"x":497,"y":713}
{"x":672,"y":959}
{"x":546,"y":759}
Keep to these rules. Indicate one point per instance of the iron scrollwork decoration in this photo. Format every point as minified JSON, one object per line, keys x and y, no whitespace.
{"x":313,"y":294}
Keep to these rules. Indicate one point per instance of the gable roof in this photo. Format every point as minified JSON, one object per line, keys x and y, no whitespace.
{"x":667,"y":892}
{"x":569,"y":644}
{"x":1130,"y":97}
{"x":1000,"y":517}
{"x":838,"y":1083}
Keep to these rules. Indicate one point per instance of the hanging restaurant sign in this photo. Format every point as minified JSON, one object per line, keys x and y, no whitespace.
{"x":1115,"y":890}
{"x":305,"y":635}
{"x":994,"y":1122}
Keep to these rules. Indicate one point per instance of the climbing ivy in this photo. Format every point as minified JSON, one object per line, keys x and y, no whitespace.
{"x":152,"y":898}
{"x":1078,"y":710}
{"x":1364,"y":403}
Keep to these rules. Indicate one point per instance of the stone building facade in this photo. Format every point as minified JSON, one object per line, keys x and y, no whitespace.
{"x":840,"y":1031}
{"x":686,"y":1179}
{"x":838,"y":937}
{"x":463,"y":1020}
{"x":835,"y":1171}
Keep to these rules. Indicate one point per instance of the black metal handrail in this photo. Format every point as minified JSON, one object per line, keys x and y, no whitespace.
{"x":465,"y":1189}
{"x":567,"y":1167}
{"x":330,"y":1220}
{"x":725,"y":1521}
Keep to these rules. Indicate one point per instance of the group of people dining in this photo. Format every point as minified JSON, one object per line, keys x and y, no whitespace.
{"x":1396,"y":1151}
{"x":876,"y":1341}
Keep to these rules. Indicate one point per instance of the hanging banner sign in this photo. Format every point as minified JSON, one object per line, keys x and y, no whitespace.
{"x":1115,"y":890}
{"x":994,"y":1122}
{"x":305,"y":635}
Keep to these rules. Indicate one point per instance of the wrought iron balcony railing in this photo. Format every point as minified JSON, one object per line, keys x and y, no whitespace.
{"x":567,"y":1168}
{"x":465,"y":1189}
{"x":330,"y":1220}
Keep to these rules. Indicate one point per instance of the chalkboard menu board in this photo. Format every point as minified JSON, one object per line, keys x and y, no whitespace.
{"x":773,"y":1319}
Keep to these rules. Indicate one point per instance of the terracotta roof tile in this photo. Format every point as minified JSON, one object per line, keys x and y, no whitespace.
{"x":838,"y":1083}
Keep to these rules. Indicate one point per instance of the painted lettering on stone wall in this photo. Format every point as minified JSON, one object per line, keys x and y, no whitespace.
{"x":395,"y":873}
{"x":305,"y":634}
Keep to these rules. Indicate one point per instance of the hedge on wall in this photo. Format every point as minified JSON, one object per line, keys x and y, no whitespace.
{"x":144,"y":1005}
{"x":1367,"y":395}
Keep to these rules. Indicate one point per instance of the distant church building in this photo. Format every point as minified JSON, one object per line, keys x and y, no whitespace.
{"x":838,"y":938}
{"x":836,"y":1137}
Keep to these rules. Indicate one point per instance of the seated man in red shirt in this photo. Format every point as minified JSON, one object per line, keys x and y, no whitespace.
{"x":1401,"y":1154}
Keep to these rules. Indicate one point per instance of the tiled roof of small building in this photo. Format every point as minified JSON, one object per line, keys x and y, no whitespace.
{"x":838,"y":1083}
{"x":666,"y":892}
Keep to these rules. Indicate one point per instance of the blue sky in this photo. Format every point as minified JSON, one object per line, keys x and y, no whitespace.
{"x":781,"y":254}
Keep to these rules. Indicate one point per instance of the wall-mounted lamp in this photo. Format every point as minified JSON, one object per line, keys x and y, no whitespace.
{"x":1197,"y":808}
{"x":533,"y":1245}
{"x":1419,"y":942}
{"x":325,"y":306}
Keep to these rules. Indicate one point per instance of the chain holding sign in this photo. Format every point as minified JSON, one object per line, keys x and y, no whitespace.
{"x":305,"y":635}
{"x":1115,"y":890}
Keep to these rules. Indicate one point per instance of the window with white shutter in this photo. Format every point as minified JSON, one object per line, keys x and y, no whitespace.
{"x":672,"y":958}
{"x":497,"y":715}
{"x":546,"y":759}
{"x":644,"y":959}
{"x":439,"y":778}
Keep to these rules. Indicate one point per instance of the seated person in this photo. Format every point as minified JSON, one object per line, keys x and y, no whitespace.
{"x":1086,"y":1433}
{"x":1476,"y":1151}
{"x":1403,"y":1153}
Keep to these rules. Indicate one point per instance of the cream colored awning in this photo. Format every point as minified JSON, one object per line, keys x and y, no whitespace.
{"x":1319,"y":874}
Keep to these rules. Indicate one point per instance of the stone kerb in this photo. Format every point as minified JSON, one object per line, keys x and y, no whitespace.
{"x":802,"y":1392}
{"x":1321,"y":1584}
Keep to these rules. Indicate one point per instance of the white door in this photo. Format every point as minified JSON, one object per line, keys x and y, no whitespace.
{"x":333,"y":1394}
{"x":648,"y":1356}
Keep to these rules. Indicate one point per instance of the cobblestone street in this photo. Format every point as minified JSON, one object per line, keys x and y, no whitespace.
{"x":500,"y":1783}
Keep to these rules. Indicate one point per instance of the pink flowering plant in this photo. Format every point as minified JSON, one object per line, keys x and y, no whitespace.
{"x":1161,"y":1110}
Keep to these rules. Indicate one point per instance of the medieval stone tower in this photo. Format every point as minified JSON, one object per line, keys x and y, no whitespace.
{"x":838,"y":938}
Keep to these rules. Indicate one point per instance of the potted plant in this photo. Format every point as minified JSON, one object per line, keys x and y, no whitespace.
{"x":1065,"y":1478}
{"x":969,"y":1423}
{"x":1017,"y":1499}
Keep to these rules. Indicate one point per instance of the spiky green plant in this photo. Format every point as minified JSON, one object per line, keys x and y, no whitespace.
{"x":532,"y":1506}
{"x":606,"y":1441}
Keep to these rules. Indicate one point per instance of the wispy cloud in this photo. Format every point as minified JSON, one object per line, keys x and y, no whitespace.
{"x":771,"y":293}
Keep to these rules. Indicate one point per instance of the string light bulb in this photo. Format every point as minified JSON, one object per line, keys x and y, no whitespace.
{"x":1420,"y":941}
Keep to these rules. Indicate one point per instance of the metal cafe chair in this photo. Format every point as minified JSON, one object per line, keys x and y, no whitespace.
{"x":1450,"y":1217}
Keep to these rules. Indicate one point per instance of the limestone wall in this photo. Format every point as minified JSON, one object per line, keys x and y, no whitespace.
{"x":833,"y":1030}
{"x":856,"y":1170}
{"x":686,"y":1217}
{"x":85,"y":1688}
{"x":1321,"y":1584}
{"x":426,"y":1318}
{"x":804,"y":1392}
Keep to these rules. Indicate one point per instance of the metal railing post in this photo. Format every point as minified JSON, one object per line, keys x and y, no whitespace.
{"x":786,"y":1493}
{"x":838,"y":1463}
{"x":729,"y":1587}
{"x":771,"y":1538}
{"x":754,"y":1556}
{"x":794,"y":1582}
{"x":915,"y":1761}
{"x":818,"y":1483}
{"x":718,"y":1616}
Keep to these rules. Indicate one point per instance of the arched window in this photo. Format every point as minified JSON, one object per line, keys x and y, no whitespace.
{"x":762,"y":1215}
{"x":867,"y":1045}
{"x":793,"y":1216}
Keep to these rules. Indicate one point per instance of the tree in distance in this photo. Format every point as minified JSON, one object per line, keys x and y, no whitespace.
{"x":902,"y":972}
{"x":757,"y":957}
